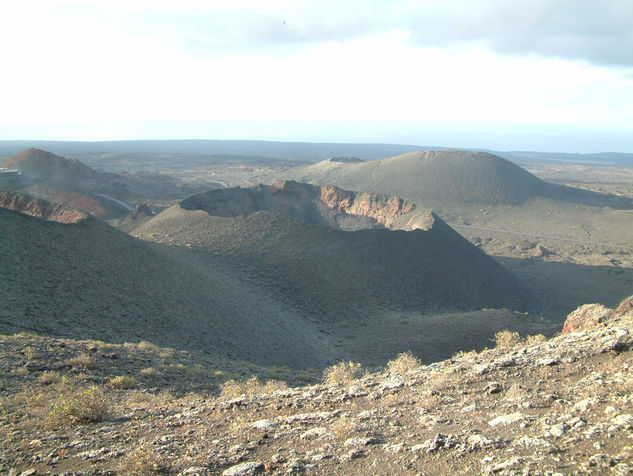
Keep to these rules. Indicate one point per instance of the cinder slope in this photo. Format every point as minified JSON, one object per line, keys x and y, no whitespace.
{"x":51,"y":168}
{"x":279,"y":237}
{"x":446,"y":176}
{"x":89,"y":280}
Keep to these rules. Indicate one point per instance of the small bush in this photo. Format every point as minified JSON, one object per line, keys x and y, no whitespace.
{"x":535,"y":339}
{"x":79,"y":406}
{"x":147,"y":346}
{"x":343,"y":372}
{"x":32,"y":353}
{"x":252,"y":386}
{"x":148,"y":372}
{"x":49,"y":377}
{"x":625,"y":306}
{"x":143,"y":461}
{"x":123,"y":381}
{"x":82,"y":361}
{"x":403,"y":364}
{"x":343,"y":428}
{"x":505,"y":339}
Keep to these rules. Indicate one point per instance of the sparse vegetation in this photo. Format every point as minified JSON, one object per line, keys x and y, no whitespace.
{"x":343,"y":372}
{"x":83,"y":361}
{"x":75,"y":405}
{"x":143,"y":461}
{"x":31,"y":353}
{"x":123,"y":382}
{"x":148,"y":372}
{"x":49,"y":377}
{"x":251,"y":386}
{"x":535,"y":339}
{"x":403,"y":364}
{"x":506,"y":338}
{"x":343,"y":428}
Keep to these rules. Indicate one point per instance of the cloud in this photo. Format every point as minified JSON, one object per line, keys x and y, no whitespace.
{"x":598,"y":32}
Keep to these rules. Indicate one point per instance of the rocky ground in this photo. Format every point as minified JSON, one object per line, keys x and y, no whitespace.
{"x":530,"y":406}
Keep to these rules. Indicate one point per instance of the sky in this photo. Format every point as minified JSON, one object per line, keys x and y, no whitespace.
{"x":549,"y":75}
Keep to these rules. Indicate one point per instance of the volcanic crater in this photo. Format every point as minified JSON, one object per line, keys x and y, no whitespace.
{"x":326,"y":206}
{"x":331,"y":253}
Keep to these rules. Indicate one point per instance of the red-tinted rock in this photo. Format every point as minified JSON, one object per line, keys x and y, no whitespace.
{"x":588,"y":316}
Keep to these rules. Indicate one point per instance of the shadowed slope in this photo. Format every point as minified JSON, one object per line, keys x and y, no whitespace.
{"x":335,"y":274}
{"x":88,"y":280}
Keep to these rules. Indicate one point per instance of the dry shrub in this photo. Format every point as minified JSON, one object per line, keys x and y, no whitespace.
{"x":148,"y":372}
{"x":535,"y":339}
{"x":142,"y":461}
{"x":252,"y":386}
{"x":625,"y":306}
{"x":147,"y":346}
{"x":31,"y":353}
{"x":123,"y":382}
{"x":505,"y":339}
{"x":343,"y":372}
{"x":141,"y":398}
{"x":83,"y":361}
{"x":403,"y":364}
{"x":72,"y":405}
{"x":49,"y":377}
{"x":343,"y":428}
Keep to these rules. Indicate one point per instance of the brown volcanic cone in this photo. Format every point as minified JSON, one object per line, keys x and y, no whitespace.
{"x":50,"y":167}
{"x":292,"y":237}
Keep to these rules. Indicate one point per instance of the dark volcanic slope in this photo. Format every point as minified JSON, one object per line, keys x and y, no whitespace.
{"x":442,"y":177}
{"x":89,"y":280}
{"x":275,"y":234}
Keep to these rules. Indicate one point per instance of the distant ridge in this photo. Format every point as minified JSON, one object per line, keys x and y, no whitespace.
{"x":301,"y":151}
